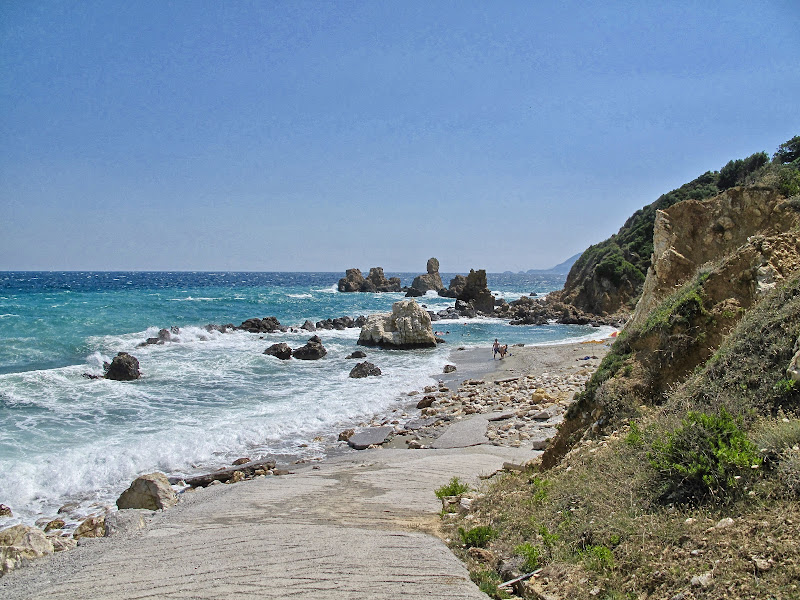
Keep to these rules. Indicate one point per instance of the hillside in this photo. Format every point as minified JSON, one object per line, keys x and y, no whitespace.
{"x":676,"y":473}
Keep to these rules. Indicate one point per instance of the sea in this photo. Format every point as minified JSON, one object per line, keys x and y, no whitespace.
{"x":205,"y":398}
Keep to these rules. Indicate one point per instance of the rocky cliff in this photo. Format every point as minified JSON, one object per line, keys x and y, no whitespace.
{"x":608,"y":276}
{"x":713,"y":261}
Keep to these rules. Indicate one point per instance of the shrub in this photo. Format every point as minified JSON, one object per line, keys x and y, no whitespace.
{"x":477,"y":537}
{"x":788,"y":151}
{"x":455,"y":488}
{"x":531,"y":554}
{"x":706,"y":456}
{"x":598,"y":558}
{"x":788,"y":471}
{"x":487,"y":582}
{"x":736,"y":171}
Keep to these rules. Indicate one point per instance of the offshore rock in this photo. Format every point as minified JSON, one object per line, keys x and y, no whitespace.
{"x":265,"y":325}
{"x":407,"y":326}
{"x":281,"y":351}
{"x":358,"y":354}
{"x":431,"y":280}
{"x":364,"y":369}
{"x":457,"y":284}
{"x":477,"y":293}
{"x":376,"y":281}
{"x":313,"y":350}
{"x":123,"y":367}
{"x":151,"y":491}
{"x":21,"y":543}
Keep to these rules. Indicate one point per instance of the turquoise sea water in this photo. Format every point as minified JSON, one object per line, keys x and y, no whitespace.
{"x":205,"y":398}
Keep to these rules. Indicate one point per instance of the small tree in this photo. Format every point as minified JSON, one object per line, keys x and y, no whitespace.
{"x":788,"y":151}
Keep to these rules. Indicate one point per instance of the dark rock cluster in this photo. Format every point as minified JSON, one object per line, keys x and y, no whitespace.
{"x":376,"y":281}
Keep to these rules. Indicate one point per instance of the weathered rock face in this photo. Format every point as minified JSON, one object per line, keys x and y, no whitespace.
{"x":92,"y":527}
{"x":364,"y":369}
{"x":265,"y":325}
{"x":477,"y":293}
{"x":20,"y":543}
{"x":376,"y":281}
{"x":431,"y":280}
{"x":123,"y":367}
{"x":352,"y":281}
{"x":753,"y":225}
{"x":313,"y":350}
{"x":408,"y":326}
{"x":151,"y":491}
{"x":281,"y":351}
{"x":457,"y":284}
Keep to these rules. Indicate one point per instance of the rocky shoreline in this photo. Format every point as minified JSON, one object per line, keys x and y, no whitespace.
{"x":514,"y":403}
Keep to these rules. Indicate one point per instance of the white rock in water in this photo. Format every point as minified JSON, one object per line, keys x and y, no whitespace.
{"x":408,"y":326}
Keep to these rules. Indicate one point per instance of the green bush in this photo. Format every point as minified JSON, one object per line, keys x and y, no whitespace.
{"x":788,"y":151}
{"x":477,"y":537}
{"x":487,"y":582}
{"x":706,"y":456}
{"x":531,"y":554}
{"x":736,"y":171}
{"x":455,"y":488}
{"x":598,"y":558}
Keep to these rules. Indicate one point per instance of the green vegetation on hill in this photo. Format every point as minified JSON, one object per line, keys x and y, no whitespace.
{"x":698,"y":495}
{"x":624,"y":258}
{"x":608,"y":276}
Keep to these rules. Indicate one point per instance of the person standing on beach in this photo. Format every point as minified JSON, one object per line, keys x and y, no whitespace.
{"x":495,"y":349}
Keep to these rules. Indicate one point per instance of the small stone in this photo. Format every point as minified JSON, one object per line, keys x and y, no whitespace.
{"x":704,"y":581}
{"x":240,"y":461}
{"x":723,"y":523}
{"x":346,"y":435}
{"x":91,"y":528}
{"x":482,"y":555}
{"x":762,"y":566}
{"x":449,"y":368}
{"x":54,"y":524}
{"x":5,"y":511}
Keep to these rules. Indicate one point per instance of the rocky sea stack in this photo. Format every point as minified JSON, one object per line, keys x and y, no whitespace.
{"x":407,"y":326}
{"x":376,"y":281}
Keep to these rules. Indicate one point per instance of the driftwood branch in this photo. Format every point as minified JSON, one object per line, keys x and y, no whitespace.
{"x":225,"y":474}
{"x":511,"y":582}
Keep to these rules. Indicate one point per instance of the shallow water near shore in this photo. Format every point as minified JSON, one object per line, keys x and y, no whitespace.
{"x":205,"y":397}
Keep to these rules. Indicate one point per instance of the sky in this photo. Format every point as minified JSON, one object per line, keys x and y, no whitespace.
{"x":320,"y":136}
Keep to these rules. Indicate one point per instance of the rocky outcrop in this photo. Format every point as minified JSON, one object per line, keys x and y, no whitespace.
{"x":407,"y":326}
{"x":92,"y":527}
{"x":123,"y":367}
{"x":151,"y":491}
{"x":265,"y":325}
{"x":457,"y":284}
{"x":364,"y":369}
{"x":607,"y":279}
{"x":281,"y":351}
{"x":745,"y":224}
{"x":21,"y":543}
{"x":476,"y":292}
{"x":376,"y":281}
{"x":431,"y":280}
{"x":313,"y":350}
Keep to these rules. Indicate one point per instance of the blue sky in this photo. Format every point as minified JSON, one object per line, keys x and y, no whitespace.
{"x":325,"y":135}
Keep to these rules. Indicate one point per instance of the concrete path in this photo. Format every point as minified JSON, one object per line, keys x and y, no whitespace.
{"x":358,"y":526}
